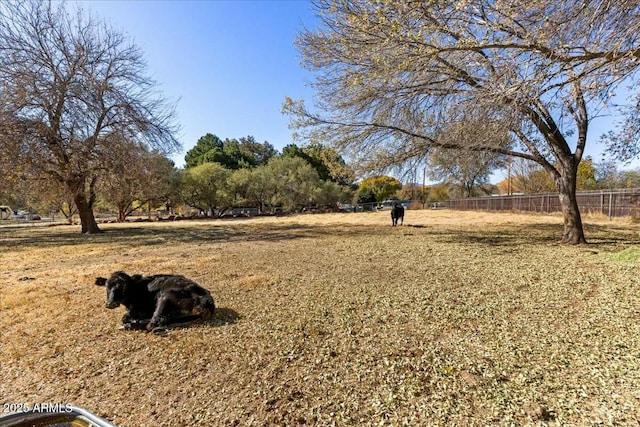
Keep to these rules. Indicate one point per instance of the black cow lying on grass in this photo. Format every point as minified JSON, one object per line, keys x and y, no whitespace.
{"x":157,"y":300}
{"x":397,"y":212}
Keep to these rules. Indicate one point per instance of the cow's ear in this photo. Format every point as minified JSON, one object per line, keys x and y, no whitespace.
{"x":155,"y":284}
{"x":101,"y":281}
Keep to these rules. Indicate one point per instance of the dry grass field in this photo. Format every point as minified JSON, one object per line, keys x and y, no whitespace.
{"x":455,"y":318}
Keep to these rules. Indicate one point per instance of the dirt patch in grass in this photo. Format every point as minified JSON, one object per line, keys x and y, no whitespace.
{"x":456,"y":318}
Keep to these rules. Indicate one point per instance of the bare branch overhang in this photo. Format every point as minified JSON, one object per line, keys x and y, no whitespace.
{"x":431,"y":141}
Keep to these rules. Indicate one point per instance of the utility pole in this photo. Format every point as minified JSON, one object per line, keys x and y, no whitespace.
{"x":509,"y":190}
{"x":424,"y":178}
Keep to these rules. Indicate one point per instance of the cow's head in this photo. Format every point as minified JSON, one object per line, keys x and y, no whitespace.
{"x":116,"y":287}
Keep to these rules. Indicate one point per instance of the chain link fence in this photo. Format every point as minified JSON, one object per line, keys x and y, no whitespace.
{"x":612,"y":203}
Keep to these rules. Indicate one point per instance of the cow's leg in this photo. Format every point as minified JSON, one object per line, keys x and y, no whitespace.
{"x":127,"y":321}
{"x":402,"y":220}
{"x":131,"y":322}
{"x":158,"y":318}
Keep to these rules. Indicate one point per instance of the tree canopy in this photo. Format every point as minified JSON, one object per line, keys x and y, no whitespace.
{"x":325,"y":160}
{"x":205,"y":187}
{"x":142,"y":176}
{"x":468,"y":174}
{"x":230,"y":153}
{"x":381,"y":186}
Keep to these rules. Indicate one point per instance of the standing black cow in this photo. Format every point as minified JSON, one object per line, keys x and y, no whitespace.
{"x":157,"y":300}
{"x":397,"y":213}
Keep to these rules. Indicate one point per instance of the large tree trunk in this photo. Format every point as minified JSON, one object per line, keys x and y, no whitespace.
{"x":87,"y":220}
{"x":573,"y":231}
{"x":85,"y":205}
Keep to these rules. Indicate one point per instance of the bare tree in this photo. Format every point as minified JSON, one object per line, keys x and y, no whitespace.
{"x":468,"y":171}
{"x":529,"y":178}
{"x":135,"y":177}
{"x":469,"y":174}
{"x":67,"y":81}
{"x":59,"y":199}
{"x":391,"y":76}
{"x":624,"y":142}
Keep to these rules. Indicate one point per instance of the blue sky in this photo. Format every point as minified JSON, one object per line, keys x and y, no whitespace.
{"x":229,"y":64}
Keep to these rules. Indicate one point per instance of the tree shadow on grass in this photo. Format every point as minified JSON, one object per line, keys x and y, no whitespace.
{"x":533,"y":234}
{"x":610,"y":235}
{"x":509,"y":235}
{"x":232,"y":233}
{"x":195,"y":233}
{"x":497,"y":236}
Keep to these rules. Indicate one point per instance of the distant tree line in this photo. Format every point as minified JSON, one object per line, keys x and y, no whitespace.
{"x":465,"y":177}
{"x":527,"y":178}
{"x":223,"y":174}
{"x":220,"y":175}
